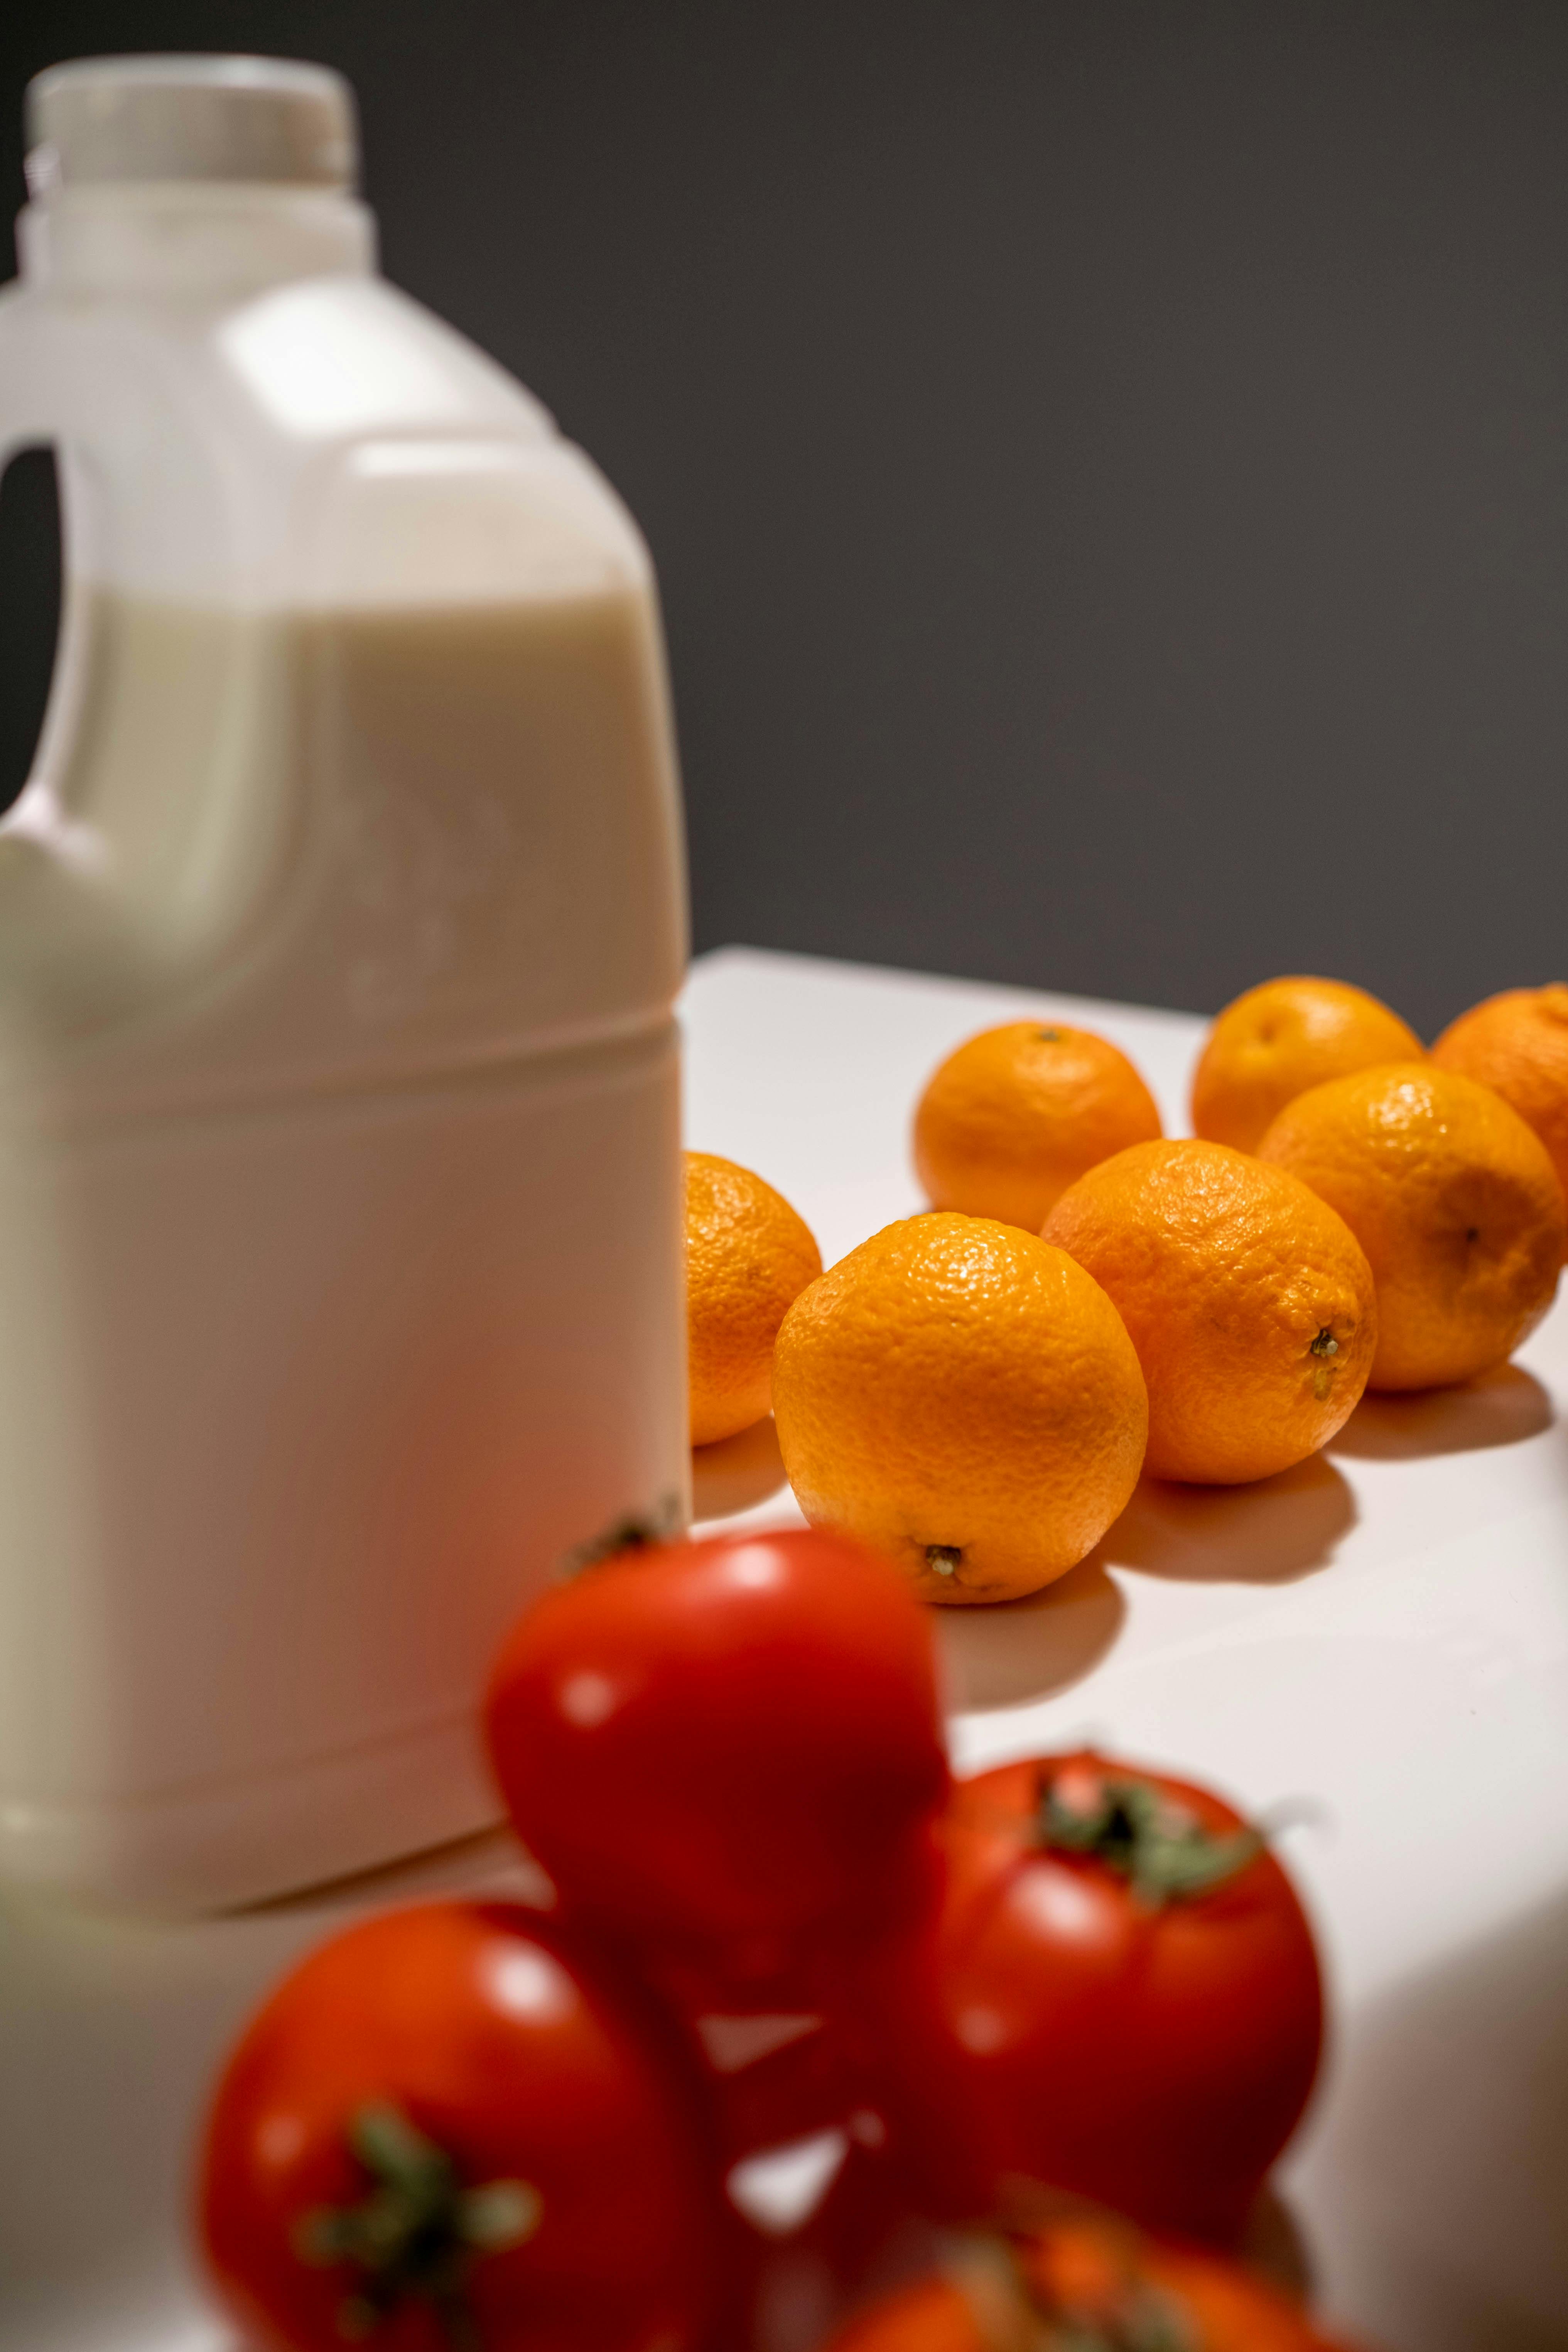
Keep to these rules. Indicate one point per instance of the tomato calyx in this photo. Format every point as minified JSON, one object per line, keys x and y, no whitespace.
{"x":1157,"y":1845}
{"x":633,"y":1531}
{"x":1148,"y":2322}
{"x":418,"y":2232}
{"x":1017,"y":2311}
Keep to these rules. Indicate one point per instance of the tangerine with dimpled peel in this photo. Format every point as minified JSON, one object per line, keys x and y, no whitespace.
{"x":1250,"y":1301}
{"x":962,"y":1397}
{"x":1278,"y":1039}
{"x":1016,"y":1114}
{"x":1517,"y":1044}
{"x":1453,"y":1198}
{"x":748,"y":1254}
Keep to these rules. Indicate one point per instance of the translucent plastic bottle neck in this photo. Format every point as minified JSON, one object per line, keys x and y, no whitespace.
{"x":201,"y":240}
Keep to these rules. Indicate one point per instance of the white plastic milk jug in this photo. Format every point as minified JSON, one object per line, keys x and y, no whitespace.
{"x":339,"y":927}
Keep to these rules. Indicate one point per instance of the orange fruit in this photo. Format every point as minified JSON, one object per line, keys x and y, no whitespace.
{"x":1016,"y":1113}
{"x":1279,"y":1039}
{"x":1249,"y":1302}
{"x":1455,"y":1201}
{"x":747,"y":1255}
{"x":963,"y":1398}
{"x":1518,"y":1044}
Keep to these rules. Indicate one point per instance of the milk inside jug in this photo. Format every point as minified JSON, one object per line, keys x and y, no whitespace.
{"x":341,"y":924}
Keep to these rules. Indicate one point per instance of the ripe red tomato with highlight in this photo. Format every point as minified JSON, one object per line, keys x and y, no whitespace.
{"x":808,"y":2050}
{"x":858,"y":2235}
{"x":731,"y":1748}
{"x":1127,"y":1988}
{"x":1081,"y":2281}
{"x":448,"y":2127}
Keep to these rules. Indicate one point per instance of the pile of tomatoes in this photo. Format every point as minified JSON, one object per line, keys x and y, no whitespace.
{"x":798,"y":2006}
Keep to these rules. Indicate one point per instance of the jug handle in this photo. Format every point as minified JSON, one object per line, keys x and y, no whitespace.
{"x":36,"y":812}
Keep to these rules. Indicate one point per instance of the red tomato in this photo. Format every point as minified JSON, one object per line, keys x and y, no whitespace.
{"x":1127,"y":1990}
{"x":780,"y":2072}
{"x":934,"y":2316}
{"x":446,"y":2126}
{"x":1090,"y":2280}
{"x":808,"y":2049}
{"x":731,"y":1748}
{"x":859,"y":2236}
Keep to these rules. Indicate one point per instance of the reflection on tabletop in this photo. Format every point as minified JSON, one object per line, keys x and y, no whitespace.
{"x":737,"y":1472}
{"x":1269,"y":1532}
{"x":1501,"y":1408}
{"x":1481,"y":2034}
{"x":1013,"y":1651}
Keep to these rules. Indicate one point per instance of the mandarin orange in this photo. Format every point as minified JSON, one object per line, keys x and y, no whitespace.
{"x":964,"y":1399}
{"x":1518,"y":1044}
{"x":748,"y":1254}
{"x":1278,"y":1040}
{"x":1016,"y":1113}
{"x":1453,"y":1198}
{"x":1249,"y":1302}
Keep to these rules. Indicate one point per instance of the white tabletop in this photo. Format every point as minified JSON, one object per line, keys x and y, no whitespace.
{"x":1383,"y":1632}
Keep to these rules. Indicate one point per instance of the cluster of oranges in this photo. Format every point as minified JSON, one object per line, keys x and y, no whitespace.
{"x":975,"y":1391}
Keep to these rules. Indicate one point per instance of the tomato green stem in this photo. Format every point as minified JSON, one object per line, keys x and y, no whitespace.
{"x":633,"y":1531}
{"x":1155,"y":1845}
{"x":418,"y":2232}
{"x":1149,"y":2322}
{"x":1016,"y":2314}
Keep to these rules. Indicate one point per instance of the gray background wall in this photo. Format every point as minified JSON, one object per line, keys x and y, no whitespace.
{"x":1108,"y":463}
